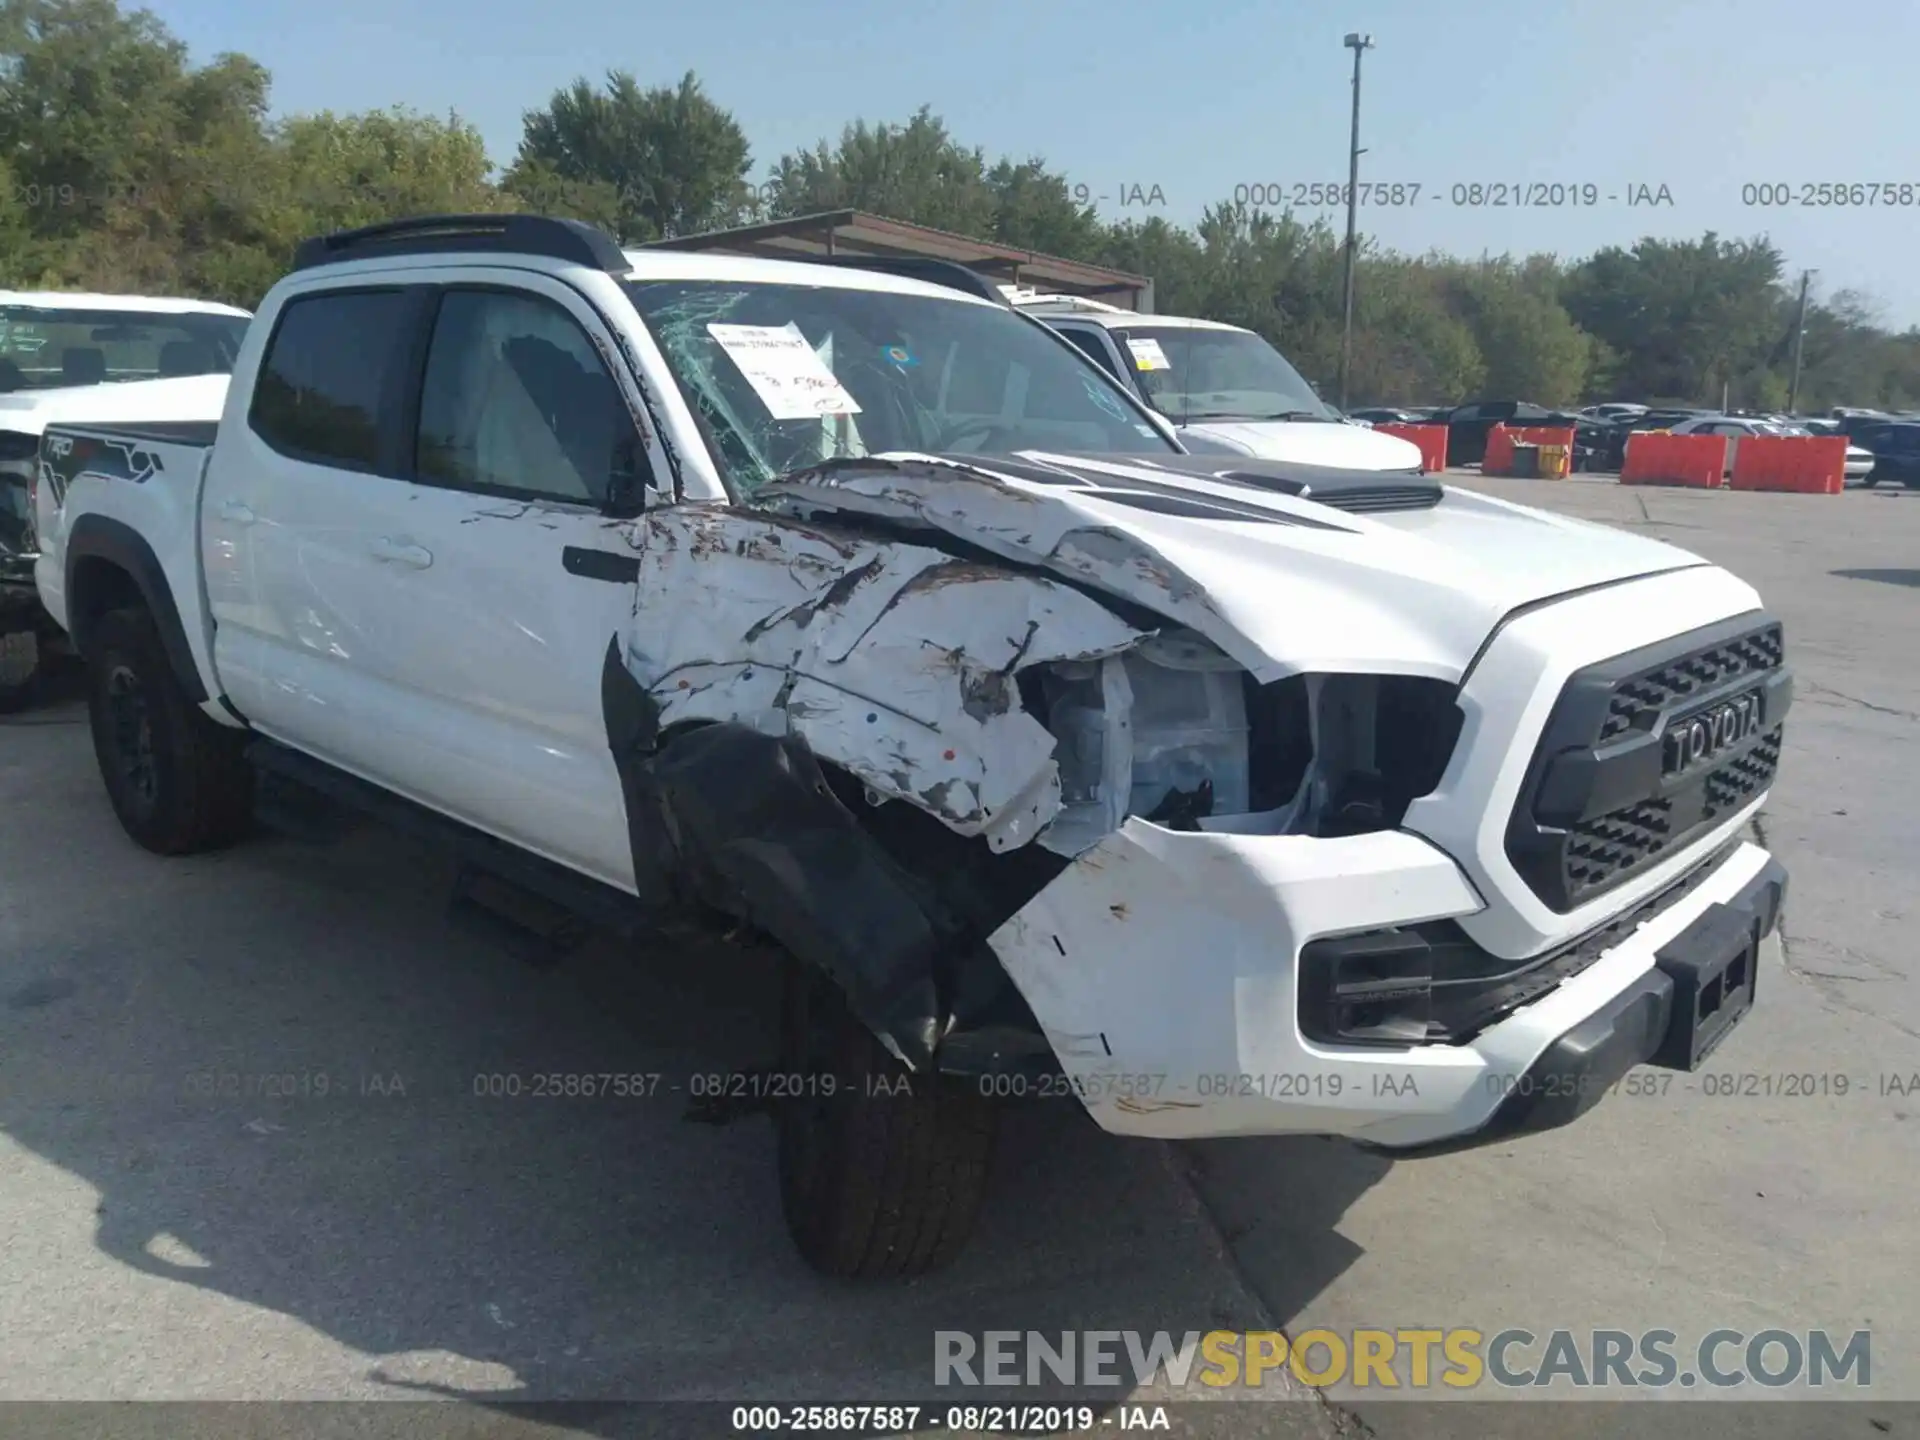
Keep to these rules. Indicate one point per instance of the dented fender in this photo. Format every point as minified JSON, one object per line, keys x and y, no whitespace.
{"x":892,"y":660}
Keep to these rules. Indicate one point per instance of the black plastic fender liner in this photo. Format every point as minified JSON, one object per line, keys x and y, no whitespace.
{"x":103,"y":538}
{"x":759,"y":834}
{"x":633,"y":727}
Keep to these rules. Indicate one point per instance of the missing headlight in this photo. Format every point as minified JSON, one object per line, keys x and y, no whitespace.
{"x":1178,"y":734}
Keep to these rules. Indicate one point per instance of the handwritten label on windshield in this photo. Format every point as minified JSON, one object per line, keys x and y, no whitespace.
{"x":791,"y":380}
{"x":1147,"y":355}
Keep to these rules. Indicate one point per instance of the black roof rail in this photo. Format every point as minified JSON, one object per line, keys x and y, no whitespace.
{"x":557,"y":239}
{"x":950,"y":273}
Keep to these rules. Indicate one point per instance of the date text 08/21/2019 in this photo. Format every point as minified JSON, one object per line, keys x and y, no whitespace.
{"x":1468,"y":194}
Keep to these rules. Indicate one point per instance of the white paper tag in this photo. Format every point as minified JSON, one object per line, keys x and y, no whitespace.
{"x":790,"y":379}
{"x":1147,"y":355}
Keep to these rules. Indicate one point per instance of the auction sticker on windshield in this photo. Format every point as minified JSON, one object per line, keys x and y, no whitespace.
{"x":1147,"y":355}
{"x":789,"y":377}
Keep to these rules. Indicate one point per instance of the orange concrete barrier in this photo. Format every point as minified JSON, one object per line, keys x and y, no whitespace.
{"x":1656,"y":458}
{"x":1432,"y":440}
{"x":1797,"y":464}
{"x":1501,"y":440}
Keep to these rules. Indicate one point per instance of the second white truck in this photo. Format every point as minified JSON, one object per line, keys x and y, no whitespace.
{"x":1227,"y":796}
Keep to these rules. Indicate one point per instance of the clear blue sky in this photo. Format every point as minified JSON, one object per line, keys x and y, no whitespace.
{"x":1701,"y":96}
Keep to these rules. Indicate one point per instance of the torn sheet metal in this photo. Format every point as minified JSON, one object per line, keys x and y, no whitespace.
{"x":894,"y":661}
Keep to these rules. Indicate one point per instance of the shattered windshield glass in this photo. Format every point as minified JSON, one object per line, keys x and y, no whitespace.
{"x":783,"y":377}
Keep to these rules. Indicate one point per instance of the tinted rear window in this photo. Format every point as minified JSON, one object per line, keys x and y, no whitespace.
{"x":329,"y":365}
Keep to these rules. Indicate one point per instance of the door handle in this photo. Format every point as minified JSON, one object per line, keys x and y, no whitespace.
{"x":398,"y":552}
{"x":235,"y":512}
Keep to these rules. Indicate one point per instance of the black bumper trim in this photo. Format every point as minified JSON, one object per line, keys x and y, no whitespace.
{"x":1636,"y":1027}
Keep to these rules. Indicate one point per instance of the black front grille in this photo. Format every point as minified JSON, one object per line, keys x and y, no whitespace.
{"x":1610,"y":794}
{"x":1648,"y":695}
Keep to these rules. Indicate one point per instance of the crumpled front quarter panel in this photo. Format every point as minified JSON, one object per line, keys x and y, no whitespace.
{"x":892,"y":660}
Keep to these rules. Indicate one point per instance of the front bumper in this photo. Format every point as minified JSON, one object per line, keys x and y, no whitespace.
{"x":1163,"y":968}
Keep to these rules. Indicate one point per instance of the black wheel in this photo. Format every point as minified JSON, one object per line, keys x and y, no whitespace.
{"x":1870,"y":481}
{"x":19,"y":670}
{"x":883,"y":1177}
{"x":177,"y":780}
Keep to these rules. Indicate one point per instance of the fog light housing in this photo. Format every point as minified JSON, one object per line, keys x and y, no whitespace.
{"x":1374,"y":988}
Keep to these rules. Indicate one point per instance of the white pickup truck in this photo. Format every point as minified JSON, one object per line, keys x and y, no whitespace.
{"x":1226,"y":797}
{"x":71,"y":356}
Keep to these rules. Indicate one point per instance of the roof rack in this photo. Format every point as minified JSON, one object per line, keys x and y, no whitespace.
{"x":557,"y":239}
{"x":949,"y":273}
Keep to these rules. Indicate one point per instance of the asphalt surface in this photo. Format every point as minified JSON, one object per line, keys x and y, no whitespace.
{"x":403,"y":1236}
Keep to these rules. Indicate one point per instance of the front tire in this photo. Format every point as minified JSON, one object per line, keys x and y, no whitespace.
{"x":177,"y":780}
{"x":884,"y":1177}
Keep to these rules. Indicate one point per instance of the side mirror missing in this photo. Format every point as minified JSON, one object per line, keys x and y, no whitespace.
{"x":628,"y":478}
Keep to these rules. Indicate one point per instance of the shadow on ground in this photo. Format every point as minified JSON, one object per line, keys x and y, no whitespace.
{"x":274,"y":1067}
{"x":1886,"y":577}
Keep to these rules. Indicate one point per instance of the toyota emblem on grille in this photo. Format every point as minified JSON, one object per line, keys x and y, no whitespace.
{"x":1700,"y":737}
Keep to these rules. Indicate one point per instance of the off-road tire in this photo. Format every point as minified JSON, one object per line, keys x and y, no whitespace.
{"x":883,"y":1178}
{"x":177,"y":780}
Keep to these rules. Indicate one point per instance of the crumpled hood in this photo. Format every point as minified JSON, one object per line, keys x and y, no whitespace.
{"x":1282,"y":584}
{"x":183,"y":397}
{"x":1306,"y":442}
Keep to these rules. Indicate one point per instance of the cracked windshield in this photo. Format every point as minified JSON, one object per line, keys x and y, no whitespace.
{"x":783,"y":377}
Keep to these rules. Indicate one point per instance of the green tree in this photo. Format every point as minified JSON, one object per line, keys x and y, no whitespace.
{"x":674,"y":162}
{"x":915,"y":172}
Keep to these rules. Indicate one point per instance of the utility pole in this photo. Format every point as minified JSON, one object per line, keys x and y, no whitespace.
{"x":1357,"y":43}
{"x":1799,"y":335}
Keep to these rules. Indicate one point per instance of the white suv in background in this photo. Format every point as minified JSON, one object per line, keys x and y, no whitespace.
{"x":1225,"y":389}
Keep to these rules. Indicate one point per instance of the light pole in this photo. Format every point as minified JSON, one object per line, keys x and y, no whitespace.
{"x":1799,"y":335}
{"x":1357,"y":43}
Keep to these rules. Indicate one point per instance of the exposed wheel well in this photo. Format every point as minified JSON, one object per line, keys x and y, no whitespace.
{"x":97,"y":586}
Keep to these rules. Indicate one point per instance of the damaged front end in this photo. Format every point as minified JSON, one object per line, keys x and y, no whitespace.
{"x":876,"y":752}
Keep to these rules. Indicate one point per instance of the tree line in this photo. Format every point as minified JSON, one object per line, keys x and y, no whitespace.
{"x":125,"y":167}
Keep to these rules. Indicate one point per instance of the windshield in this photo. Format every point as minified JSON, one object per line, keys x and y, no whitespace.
{"x":784,"y":377}
{"x":45,"y":348}
{"x":1189,"y":373}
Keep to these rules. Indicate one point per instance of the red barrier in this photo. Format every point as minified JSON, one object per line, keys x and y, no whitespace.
{"x":1501,"y":439}
{"x":1432,"y":440}
{"x":1657,"y":458}
{"x":1797,"y":464}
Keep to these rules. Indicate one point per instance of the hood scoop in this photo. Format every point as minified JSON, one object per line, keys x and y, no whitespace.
{"x":1359,"y":492}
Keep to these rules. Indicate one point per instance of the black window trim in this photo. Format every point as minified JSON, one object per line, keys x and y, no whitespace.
{"x":407,"y":437}
{"x":413,"y":297}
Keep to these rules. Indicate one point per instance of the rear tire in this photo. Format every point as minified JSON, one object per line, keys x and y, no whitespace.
{"x":884,"y":1177}
{"x":177,"y":780}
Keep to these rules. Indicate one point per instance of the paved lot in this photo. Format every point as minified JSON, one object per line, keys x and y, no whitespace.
{"x":374,"y":1243}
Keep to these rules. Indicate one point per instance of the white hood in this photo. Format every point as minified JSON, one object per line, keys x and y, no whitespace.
{"x":185,"y":397}
{"x":1393,"y":575}
{"x":1306,"y":442}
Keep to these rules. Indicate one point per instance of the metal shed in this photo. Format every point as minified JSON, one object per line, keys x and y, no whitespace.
{"x":850,"y":233}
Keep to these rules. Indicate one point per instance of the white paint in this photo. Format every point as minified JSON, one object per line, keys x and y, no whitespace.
{"x":1339,"y":446}
{"x":1409,"y":594}
{"x":1173,"y":957}
{"x":792,"y":381}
